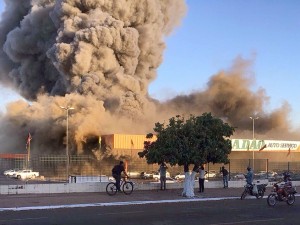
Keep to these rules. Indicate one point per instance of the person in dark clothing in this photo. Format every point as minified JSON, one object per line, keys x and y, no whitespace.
{"x":116,"y":173}
{"x":225,"y":176}
{"x":163,"y":175}
{"x":249,"y":176}
{"x":202,"y":173}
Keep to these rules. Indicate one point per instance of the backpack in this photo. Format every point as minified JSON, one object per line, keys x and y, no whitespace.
{"x":114,"y":170}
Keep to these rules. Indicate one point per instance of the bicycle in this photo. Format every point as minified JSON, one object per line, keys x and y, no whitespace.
{"x":125,"y":186}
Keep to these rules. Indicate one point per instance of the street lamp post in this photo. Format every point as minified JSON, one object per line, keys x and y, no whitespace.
{"x":253,"y":138}
{"x":67,"y":140}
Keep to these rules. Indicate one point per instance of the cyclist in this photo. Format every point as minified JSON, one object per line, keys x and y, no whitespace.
{"x":116,"y":173}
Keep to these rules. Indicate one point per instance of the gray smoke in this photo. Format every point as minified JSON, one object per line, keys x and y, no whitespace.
{"x":97,"y":55}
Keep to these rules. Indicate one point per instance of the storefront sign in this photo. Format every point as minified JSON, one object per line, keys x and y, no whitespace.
{"x":264,"y":145}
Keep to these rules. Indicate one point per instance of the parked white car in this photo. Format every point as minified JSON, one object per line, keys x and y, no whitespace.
{"x":10,"y":173}
{"x":180,"y":176}
{"x":25,"y":174}
{"x":239,"y":176}
{"x":156,"y":176}
{"x":210,"y":174}
{"x":134,"y":174}
{"x":145,"y":175}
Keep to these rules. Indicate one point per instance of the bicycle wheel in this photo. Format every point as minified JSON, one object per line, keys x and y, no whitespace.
{"x":111,"y":188}
{"x":127,"y":187}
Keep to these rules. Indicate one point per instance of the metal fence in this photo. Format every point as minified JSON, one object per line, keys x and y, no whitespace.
{"x":54,"y":167}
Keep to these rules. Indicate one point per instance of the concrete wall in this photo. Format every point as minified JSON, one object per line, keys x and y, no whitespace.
{"x":100,"y":187}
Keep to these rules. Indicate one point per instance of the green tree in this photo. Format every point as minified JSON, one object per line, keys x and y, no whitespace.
{"x":194,"y":141}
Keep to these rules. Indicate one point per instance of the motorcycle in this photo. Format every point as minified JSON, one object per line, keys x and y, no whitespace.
{"x":277,"y":195}
{"x":257,"y":190}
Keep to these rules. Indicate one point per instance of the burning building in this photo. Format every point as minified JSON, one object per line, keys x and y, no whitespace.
{"x":99,"y":57}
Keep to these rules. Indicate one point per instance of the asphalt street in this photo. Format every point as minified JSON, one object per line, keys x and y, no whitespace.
{"x":210,"y":212}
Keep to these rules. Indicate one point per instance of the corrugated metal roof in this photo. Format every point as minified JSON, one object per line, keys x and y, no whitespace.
{"x":127,"y":141}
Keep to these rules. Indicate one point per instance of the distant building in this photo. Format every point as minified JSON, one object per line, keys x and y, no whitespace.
{"x":277,"y":150}
{"x":274,"y":150}
{"x":125,"y":144}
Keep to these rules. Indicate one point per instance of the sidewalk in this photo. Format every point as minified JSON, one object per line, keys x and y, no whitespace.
{"x":36,"y":200}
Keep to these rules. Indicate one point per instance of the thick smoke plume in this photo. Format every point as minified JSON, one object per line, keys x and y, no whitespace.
{"x":229,"y":96}
{"x":100,"y":56}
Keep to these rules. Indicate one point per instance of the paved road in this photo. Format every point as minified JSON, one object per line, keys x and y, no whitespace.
{"x":249,"y":211}
{"x":215,"y":206}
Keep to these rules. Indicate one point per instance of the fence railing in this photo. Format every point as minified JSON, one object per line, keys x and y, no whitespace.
{"x":54,"y":167}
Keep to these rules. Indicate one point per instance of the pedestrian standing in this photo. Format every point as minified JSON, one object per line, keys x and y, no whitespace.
{"x":225,"y":176}
{"x":202,"y":173}
{"x":163,"y":175}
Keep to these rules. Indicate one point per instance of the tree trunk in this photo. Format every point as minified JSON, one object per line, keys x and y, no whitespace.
{"x":189,"y":184}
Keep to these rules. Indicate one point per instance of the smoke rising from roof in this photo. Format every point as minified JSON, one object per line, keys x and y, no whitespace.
{"x":99,"y":56}
{"x":229,"y":96}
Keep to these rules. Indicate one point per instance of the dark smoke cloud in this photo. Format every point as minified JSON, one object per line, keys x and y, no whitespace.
{"x":99,"y":56}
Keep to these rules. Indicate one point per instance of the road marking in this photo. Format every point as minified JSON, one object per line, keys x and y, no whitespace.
{"x":248,"y":221}
{"x":26,"y":208}
{"x":29,"y":218}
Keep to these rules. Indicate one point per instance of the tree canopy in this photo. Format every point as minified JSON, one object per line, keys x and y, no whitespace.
{"x":196,"y":140}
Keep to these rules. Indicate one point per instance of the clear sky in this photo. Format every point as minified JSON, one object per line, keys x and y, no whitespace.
{"x":214,"y":33}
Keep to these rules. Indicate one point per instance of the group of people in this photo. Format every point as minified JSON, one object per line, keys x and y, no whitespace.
{"x":118,"y":169}
{"x":202,"y":174}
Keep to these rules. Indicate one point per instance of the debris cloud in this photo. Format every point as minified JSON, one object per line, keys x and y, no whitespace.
{"x":100,"y":56}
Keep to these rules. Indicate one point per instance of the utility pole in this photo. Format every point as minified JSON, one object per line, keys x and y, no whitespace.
{"x":67,"y":140}
{"x":253,"y":138}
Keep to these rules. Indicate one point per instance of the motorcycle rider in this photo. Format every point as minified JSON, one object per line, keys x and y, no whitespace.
{"x":249,"y":176}
{"x":287,"y":184}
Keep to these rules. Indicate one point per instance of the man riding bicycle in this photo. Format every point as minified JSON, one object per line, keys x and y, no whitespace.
{"x":116,"y":173}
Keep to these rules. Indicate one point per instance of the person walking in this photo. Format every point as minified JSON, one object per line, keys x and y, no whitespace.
{"x":202,"y":173}
{"x":163,"y":175}
{"x":225,"y":176}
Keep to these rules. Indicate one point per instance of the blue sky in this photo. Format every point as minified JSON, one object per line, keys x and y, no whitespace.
{"x":214,"y":33}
